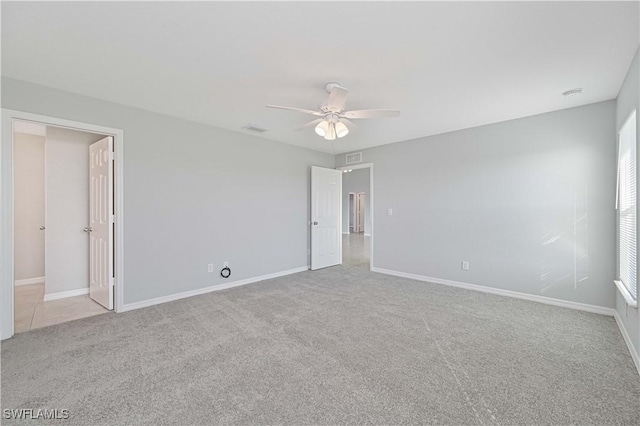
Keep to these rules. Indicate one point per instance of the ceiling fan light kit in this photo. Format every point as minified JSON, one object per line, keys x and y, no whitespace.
{"x":330,"y":128}
{"x":332,"y":124}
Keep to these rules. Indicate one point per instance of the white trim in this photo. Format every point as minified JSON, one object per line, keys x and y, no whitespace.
{"x":356,"y":166}
{"x":6,"y":207}
{"x":223,"y":286}
{"x":346,"y":233}
{"x":65,"y":294}
{"x":367,"y":235}
{"x":624,"y":292}
{"x":627,"y":340}
{"x":500,"y":292}
{"x":28,"y":281}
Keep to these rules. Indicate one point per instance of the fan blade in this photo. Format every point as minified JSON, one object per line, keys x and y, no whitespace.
{"x":337,"y":98}
{"x":372,"y":113}
{"x":306,"y":111}
{"x":350,"y":123}
{"x":309,"y":124}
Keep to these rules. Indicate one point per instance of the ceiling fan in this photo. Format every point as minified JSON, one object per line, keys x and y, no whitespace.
{"x":333,"y":117}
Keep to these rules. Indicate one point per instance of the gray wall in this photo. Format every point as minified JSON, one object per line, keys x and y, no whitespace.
{"x":628,"y":100}
{"x":356,"y":181}
{"x":67,"y":212}
{"x":528,"y":202}
{"x":194,"y":194}
{"x":28,"y":240}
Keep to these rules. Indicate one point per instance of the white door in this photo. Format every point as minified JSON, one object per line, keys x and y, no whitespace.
{"x":352,"y":213}
{"x":360,"y":212}
{"x":326,"y":221}
{"x":101,"y":220}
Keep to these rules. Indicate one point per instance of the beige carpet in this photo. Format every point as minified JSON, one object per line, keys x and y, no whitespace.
{"x":340,"y":345}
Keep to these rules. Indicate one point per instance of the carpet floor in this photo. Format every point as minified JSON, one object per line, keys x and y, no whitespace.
{"x":339,"y":345}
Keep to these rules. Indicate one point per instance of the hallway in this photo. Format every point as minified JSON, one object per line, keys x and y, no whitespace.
{"x":356,"y":249}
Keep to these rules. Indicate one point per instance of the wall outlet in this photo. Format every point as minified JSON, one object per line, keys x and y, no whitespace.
{"x":225,"y":264}
{"x":210,"y":267}
{"x":465,"y":265}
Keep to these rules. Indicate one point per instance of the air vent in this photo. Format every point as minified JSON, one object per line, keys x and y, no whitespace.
{"x":254,"y":128}
{"x":572,"y":92}
{"x":356,"y":157}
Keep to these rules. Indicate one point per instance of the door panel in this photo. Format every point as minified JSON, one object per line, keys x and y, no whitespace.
{"x":101,"y":221}
{"x":326,"y":223}
{"x":360,"y":212}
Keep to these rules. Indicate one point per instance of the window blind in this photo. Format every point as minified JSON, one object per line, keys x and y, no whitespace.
{"x":627,"y":198}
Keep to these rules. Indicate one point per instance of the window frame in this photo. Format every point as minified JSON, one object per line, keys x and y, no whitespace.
{"x":625,"y":291}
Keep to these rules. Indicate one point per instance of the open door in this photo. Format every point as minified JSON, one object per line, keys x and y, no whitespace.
{"x":360,"y":210}
{"x":101,"y":222}
{"x":326,"y":220}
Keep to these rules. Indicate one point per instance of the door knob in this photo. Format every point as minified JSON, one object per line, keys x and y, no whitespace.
{"x":41,"y":228}
{"x":87,"y":229}
{"x":315,"y":223}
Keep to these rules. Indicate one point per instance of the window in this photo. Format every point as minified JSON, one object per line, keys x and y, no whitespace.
{"x":626,"y":203}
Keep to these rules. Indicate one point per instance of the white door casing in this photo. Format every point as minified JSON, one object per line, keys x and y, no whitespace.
{"x":326,"y":221}
{"x":101,"y":220}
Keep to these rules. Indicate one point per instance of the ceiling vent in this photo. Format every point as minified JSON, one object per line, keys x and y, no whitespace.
{"x":572,"y":92}
{"x":254,"y":128}
{"x":356,"y":157}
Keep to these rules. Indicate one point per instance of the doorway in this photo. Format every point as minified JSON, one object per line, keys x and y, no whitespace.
{"x":357,"y":217}
{"x":60,"y":201}
{"x":52,"y":229}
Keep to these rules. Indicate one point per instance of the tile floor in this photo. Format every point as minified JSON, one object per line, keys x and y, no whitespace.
{"x":31,"y":311}
{"x":355,"y":250}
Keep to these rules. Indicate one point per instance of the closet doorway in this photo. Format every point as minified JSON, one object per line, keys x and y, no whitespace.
{"x":65,"y":225}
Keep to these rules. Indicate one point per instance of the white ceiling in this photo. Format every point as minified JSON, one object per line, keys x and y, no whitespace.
{"x":446,"y":66}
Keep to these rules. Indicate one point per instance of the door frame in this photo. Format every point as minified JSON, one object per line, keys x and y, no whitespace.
{"x":371,"y":203}
{"x":6,"y":208}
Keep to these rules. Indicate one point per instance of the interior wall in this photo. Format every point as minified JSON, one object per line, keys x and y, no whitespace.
{"x":189,"y":192}
{"x":356,"y":181}
{"x":28,"y":163}
{"x":528,"y":202}
{"x":67,"y":212}
{"x":628,"y":100}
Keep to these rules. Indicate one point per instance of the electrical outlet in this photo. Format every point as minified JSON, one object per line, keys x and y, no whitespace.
{"x":210,"y":267}
{"x":465,"y":265}
{"x":225,"y":264}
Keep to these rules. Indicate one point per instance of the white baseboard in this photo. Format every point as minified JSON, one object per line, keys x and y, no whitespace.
{"x":346,"y":233}
{"x":27,"y":281}
{"x":223,"y":286}
{"x":65,"y":294}
{"x":627,"y":340}
{"x":500,"y":292}
{"x":367,"y":235}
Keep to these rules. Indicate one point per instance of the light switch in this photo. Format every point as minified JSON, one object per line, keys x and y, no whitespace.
{"x":389,"y":212}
